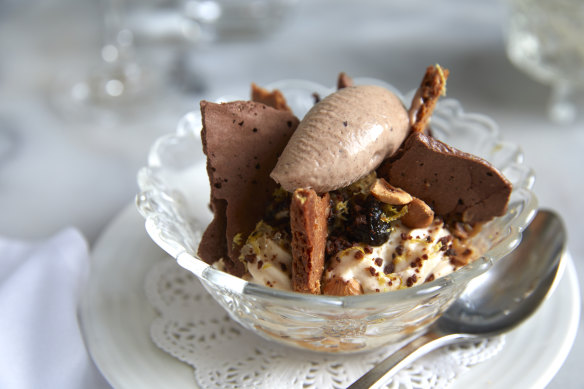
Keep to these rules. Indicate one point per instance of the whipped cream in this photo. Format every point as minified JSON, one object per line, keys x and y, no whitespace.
{"x":268,"y":258}
{"x":410,"y":257}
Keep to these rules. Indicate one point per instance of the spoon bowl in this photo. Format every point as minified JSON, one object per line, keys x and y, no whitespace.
{"x":493,"y":303}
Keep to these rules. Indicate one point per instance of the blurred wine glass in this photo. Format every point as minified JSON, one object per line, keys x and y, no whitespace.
{"x":544,"y":39}
{"x":117,"y":88}
{"x":222,"y":20}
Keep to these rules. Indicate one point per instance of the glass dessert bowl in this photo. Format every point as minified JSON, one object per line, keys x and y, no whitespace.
{"x":174,"y":196}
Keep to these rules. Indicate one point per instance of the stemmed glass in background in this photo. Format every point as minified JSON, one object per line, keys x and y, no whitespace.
{"x":117,"y":86}
{"x":120,"y":88}
{"x":546,"y":40}
{"x":126,"y":98}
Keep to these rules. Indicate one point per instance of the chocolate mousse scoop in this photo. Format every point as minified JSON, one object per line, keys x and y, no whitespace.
{"x":455,"y":184}
{"x":242,"y":141}
{"x":343,"y":138}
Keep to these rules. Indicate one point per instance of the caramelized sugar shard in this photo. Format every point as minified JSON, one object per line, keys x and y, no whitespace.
{"x":274,"y":99}
{"x":432,"y":87}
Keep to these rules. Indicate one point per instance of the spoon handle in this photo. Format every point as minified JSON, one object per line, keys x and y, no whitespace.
{"x":413,"y":350}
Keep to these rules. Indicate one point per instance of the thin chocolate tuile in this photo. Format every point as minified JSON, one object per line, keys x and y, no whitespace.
{"x":453,"y":183}
{"x":242,"y":141}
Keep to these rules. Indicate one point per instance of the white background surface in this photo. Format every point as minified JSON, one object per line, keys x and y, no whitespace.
{"x":54,"y":177}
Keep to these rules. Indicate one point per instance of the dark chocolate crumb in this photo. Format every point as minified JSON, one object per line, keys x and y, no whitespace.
{"x":378,"y":261}
{"x":399,"y":250}
{"x":389,"y":268}
{"x":411,"y":280}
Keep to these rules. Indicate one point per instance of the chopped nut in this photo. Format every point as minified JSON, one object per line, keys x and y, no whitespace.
{"x":340,"y":287}
{"x":386,"y":193}
{"x":419,"y":215}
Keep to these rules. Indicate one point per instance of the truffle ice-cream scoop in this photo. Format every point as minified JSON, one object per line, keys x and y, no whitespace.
{"x":342,"y":138}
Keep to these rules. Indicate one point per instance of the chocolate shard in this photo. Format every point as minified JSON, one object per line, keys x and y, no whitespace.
{"x":274,"y":99}
{"x":453,"y":183}
{"x":242,"y":141}
{"x":308,"y":222}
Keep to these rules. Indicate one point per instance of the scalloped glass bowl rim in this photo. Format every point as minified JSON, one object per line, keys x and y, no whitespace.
{"x":462,"y":276}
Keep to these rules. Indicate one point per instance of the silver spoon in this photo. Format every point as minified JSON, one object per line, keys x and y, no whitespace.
{"x":498,"y":301}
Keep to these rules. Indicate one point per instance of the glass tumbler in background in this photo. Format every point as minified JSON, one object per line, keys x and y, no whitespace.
{"x":545,"y":39}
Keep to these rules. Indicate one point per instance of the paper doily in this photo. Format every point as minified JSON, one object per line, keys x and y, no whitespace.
{"x":193,"y":328}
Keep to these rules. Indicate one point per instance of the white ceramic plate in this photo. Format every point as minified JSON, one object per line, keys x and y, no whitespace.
{"x":116,"y":319}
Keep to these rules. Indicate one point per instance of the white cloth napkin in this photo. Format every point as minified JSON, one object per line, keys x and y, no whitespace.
{"x":41,"y":345}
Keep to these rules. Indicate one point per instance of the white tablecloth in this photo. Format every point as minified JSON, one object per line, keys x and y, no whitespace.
{"x":40,"y":337}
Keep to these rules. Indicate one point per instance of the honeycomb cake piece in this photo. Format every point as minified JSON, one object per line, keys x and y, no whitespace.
{"x":433,"y":86}
{"x":308,"y":222}
{"x":242,"y":141}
